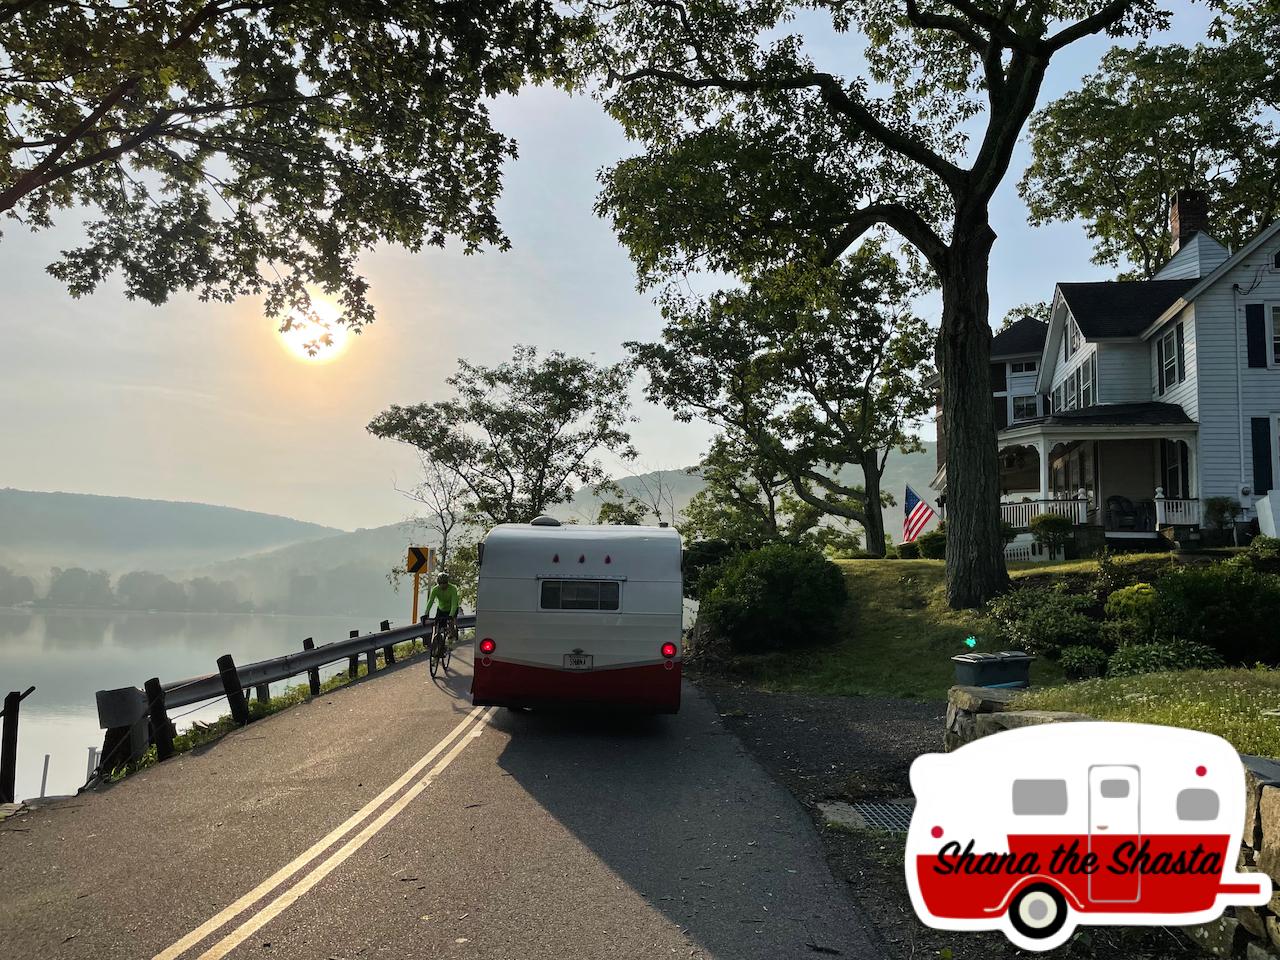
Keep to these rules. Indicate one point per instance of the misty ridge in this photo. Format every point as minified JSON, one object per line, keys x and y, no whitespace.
{"x":82,"y":551}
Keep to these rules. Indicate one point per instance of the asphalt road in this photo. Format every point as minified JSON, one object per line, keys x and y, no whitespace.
{"x":390,"y":819}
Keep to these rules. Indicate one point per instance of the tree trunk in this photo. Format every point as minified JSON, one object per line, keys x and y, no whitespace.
{"x":975,"y":548}
{"x":873,"y":519}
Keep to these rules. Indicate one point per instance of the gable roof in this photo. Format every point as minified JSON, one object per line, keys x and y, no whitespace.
{"x":1204,"y":283}
{"x":1024,"y":336}
{"x":1120,"y":308}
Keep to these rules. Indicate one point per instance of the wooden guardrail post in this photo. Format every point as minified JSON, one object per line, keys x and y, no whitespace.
{"x":353,"y":661}
{"x":263,"y":692}
{"x":231,"y":684}
{"x":161,"y":727}
{"x":313,"y":675}
{"x":389,"y":651}
{"x":370,"y":662}
{"x":9,"y":744}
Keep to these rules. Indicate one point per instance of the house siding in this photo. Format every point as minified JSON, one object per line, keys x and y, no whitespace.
{"x":1225,"y":409}
{"x":1123,"y":374}
{"x":1197,"y":259}
{"x":1184,"y":394}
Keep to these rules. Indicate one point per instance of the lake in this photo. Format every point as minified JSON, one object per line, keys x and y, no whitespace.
{"x":69,"y":654}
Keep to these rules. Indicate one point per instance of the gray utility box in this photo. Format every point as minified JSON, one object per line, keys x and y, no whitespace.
{"x":1009,"y":668}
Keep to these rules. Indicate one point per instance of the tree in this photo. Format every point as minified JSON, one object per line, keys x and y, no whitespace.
{"x":77,"y":587}
{"x":746,"y":502}
{"x":1037,"y":311}
{"x":440,"y":491}
{"x":15,"y":588}
{"x":755,"y":157}
{"x":815,"y":368}
{"x":239,"y":146}
{"x":142,"y":590}
{"x":521,"y":436}
{"x":617,"y":506}
{"x":1151,"y":121}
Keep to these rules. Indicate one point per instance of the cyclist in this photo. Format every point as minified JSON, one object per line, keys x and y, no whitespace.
{"x":445,"y":596}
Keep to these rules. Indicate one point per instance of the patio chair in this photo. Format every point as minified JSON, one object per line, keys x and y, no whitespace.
{"x":1121,"y":514}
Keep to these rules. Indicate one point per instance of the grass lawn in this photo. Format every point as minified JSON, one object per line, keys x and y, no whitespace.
{"x":898,"y":638}
{"x":1229,"y":703}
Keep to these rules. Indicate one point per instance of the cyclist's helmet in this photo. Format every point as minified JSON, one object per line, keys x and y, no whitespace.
{"x":443,"y":579}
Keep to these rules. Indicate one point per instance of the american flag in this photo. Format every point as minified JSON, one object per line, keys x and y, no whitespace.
{"x":916,"y":514}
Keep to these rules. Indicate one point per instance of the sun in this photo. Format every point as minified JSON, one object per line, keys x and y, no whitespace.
{"x":317,"y":342}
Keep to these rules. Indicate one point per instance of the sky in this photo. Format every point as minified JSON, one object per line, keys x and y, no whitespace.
{"x":204,"y":402}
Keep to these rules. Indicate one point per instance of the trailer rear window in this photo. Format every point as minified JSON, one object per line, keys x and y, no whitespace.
{"x":580,"y":594}
{"x":1197,"y":804}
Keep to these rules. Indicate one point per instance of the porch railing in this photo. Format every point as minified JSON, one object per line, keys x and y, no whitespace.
{"x":1018,"y":515}
{"x":1176,"y":511}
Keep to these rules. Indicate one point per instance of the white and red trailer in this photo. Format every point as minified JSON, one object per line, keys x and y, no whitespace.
{"x":576,"y":614}
{"x":1037,"y":830}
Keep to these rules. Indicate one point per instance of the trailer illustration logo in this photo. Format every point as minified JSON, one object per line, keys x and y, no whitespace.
{"x":1037,"y":830}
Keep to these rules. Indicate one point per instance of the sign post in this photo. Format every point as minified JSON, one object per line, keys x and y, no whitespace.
{"x":421,"y":560}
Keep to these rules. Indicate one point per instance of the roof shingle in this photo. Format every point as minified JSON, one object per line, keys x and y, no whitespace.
{"x":1025,"y":335}
{"x":1120,"y":308}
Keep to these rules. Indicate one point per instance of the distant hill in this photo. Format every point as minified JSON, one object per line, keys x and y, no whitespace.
{"x":39,"y":530}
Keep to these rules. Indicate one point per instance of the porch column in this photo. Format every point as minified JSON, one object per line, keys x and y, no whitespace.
{"x":1042,"y":450}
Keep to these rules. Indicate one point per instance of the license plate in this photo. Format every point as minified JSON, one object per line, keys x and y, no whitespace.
{"x":577,"y":661}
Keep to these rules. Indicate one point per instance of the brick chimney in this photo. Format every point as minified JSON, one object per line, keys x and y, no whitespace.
{"x":1188,"y":214}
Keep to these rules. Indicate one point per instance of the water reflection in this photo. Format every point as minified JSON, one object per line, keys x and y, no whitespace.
{"x":68,"y":655}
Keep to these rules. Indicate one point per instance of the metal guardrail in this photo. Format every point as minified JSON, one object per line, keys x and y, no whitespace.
{"x":181,"y":693}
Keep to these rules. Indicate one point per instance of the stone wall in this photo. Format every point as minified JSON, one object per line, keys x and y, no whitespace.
{"x":1249,"y":933}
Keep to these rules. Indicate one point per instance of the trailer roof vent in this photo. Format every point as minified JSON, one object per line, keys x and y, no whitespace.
{"x":545,"y":521}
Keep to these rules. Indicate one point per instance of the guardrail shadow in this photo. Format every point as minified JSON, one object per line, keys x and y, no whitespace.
{"x":676,"y":809}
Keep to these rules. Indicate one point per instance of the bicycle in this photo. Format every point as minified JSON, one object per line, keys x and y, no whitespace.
{"x":441,"y":648}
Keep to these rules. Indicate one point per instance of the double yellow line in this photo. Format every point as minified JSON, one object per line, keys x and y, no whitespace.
{"x":460,"y":736}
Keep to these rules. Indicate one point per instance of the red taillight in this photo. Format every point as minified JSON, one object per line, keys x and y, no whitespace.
{"x":669,"y":650}
{"x":487,"y":646}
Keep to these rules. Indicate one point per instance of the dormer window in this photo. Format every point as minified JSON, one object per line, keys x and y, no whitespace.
{"x":1070,"y":340}
{"x":1275,"y":261}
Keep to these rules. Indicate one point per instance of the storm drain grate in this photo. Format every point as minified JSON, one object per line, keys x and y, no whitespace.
{"x":894,"y":817}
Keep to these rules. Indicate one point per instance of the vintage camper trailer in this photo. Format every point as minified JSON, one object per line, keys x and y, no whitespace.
{"x":579,"y":614}
{"x":1037,"y":830}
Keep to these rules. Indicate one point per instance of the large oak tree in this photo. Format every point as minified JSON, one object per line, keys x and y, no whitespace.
{"x":246,"y":146}
{"x":755,"y":155}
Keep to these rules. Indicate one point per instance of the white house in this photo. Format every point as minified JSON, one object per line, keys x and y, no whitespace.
{"x":1141,"y":399}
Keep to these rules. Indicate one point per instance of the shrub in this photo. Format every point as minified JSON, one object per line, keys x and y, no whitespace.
{"x":1043,"y":621}
{"x":777,"y":596}
{"x":1136,"y":603}
{"x":1081,"y":663}
{"x":908,"y":551}
{"x":1156,"y":657}
{"x":1227,"y":606}
{"x":933,"y":545}
{"x":1052,"y":531}
{"x":1265,"y":548}
{"x":703,"y":560}
{"x":1008,"y":532}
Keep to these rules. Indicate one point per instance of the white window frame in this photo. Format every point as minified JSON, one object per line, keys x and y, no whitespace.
{"x":1168,"y":342}
{"x":1035,"y":407}
{"x":1089,"y":381}
{"x":1023,"y":366}
{"x":1273,"y":332}
{"x":1055,"y":402}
